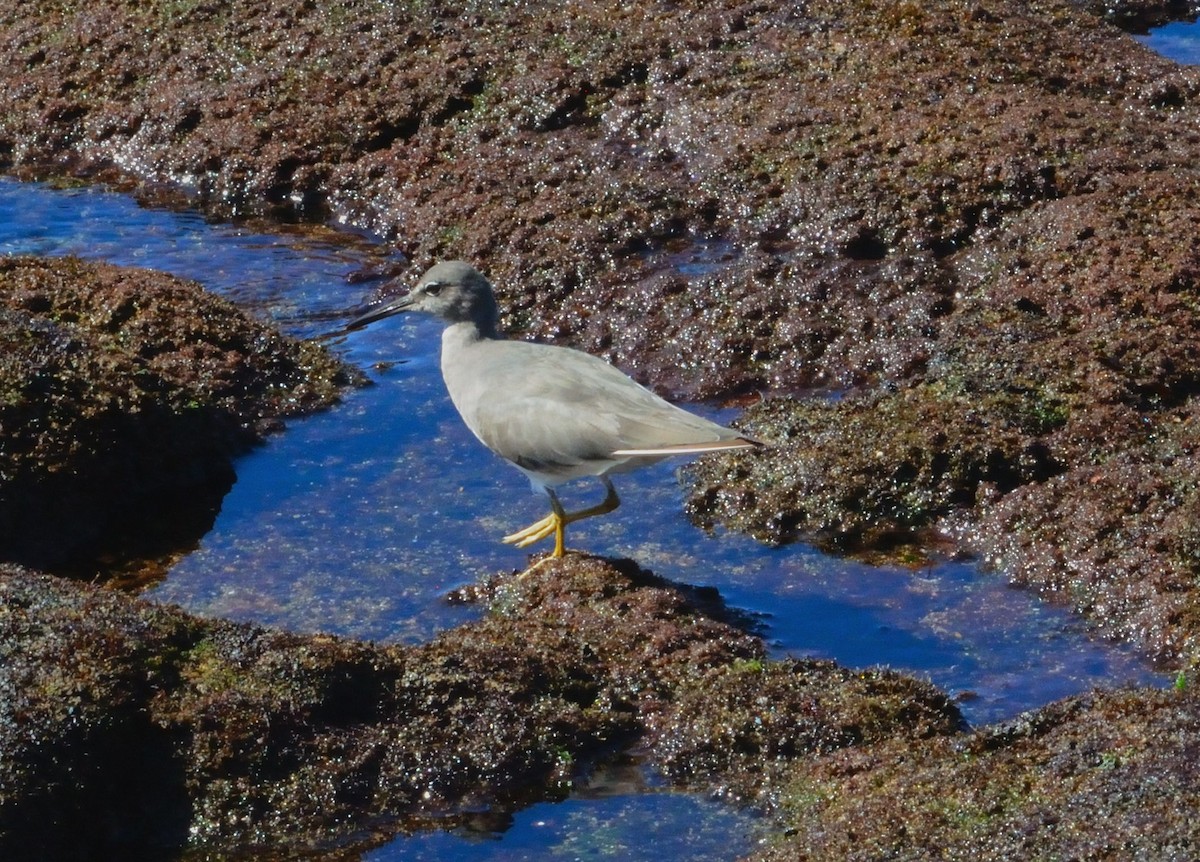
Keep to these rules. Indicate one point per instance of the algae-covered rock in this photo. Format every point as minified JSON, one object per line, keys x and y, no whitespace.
{"x":1107,"y":776}
{"x":130,"y":729}
{"x":124,"y":396}
{"x":972,"y":225}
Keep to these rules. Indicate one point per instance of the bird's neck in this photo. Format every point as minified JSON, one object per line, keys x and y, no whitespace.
{"x":460,"y":335}
{"x":461,"y":359}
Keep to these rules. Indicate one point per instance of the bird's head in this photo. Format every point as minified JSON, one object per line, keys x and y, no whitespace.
{"x":452,"y":290}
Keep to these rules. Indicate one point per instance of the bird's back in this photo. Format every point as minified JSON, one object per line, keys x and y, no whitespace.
{"x":559,"y":413}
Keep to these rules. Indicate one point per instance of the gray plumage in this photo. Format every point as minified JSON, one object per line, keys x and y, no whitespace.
{"x":557,"y":414}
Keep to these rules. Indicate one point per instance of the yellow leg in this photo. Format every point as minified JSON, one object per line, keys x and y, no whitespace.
{"x":556,"y":522}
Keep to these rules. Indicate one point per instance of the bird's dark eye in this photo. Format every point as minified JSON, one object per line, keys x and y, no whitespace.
{"x":433,"y":288}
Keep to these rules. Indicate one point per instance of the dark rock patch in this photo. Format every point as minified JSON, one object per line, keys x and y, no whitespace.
{"x":124,"y":396}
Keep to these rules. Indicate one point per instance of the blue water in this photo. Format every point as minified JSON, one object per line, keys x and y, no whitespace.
{"x":358,"y":521}
{"x":1178,"y":41}
{"x":637,"y":824}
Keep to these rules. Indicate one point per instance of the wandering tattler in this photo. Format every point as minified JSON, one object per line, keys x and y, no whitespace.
{"x":557,"y":414}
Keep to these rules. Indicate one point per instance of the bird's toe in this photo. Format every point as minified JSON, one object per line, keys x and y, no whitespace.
{"x":533,"y":533}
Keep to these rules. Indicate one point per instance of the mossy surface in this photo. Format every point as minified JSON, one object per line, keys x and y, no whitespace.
{"x":1080,"y":779}
{"x":972,"y":225}
{"x":231,"y":736}
{"x":124,"y":396}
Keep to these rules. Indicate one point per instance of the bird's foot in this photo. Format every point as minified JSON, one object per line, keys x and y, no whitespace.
{"x":535,"y":532}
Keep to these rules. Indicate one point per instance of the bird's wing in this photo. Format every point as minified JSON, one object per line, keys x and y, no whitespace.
{"x":543,"y":407}
{"x":691,"y":448}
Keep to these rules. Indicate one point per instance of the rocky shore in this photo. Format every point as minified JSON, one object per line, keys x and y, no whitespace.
{"x":944,"y":254}
{"x":125,"y":395}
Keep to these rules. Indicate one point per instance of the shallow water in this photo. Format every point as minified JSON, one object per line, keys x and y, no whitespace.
{"x":621,"y":817}
{"x":1178,"y":41}
{"x":359,"y":520}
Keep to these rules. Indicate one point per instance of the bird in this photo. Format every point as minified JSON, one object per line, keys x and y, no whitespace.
{"x":555,"y":413}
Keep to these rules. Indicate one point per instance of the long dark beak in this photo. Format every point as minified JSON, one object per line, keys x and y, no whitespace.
{"x":378,"y":311}
{"x":386,"y":308}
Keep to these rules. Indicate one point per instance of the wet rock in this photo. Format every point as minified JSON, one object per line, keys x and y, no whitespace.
{"x":973,"y":225}
{"x":223,"y":736}
{"x":1118,"y":541}
{"x":866,"y":473}
{"x":837,"y":155}
{"x":971,"y":228}
{"x":1083,"y":778}
{"x":737,"y":732}
{"x":1052,"y":432}
{"x":124,"y":396}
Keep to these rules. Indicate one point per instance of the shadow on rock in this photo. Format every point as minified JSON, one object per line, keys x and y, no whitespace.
{"x":124,"y":396}
{"x":272,"y":740}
